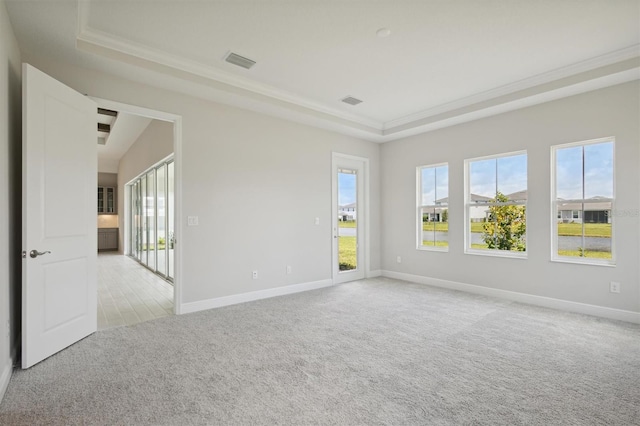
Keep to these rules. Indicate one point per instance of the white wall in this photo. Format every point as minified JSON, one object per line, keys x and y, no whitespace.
{"x":10,"y":190}
{"x":240,"y":173}
{"x":154,"y":144}
{"x":612,"y":111}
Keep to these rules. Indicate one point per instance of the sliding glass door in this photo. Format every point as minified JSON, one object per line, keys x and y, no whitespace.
{"x":152,"y":215}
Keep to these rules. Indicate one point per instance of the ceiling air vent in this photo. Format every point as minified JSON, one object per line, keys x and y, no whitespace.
{"x":240,"y":61}
{"x":351,"y":100}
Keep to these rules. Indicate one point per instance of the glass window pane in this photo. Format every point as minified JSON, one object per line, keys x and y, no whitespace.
{"x":482,"y":179}
{"x":347,"y":220}
{"x":569,"y":230}
{"x":493,"y":226}
{"x":569,"y":173}
{"x":597,"y":230}
{"x":435,"y":228}
{"x":598,"y":170}
{"x":442,"y":185}
{"x":161,"y":241}
{"x":151,"y":224}
{"x":512,"y":177}
{"x":143,"y":213}
{"x":428,"y":186}
{"x":477,"y":238}
{"x":170,"y":219}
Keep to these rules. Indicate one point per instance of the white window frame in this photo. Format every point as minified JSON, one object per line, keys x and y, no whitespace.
{"x":467,"y":206}
{"x":421,"y":206}
{"x":555,"y":257}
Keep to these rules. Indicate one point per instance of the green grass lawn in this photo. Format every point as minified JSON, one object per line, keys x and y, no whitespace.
{"x":347,"y":224}
{"x":435,"y":244}
{"x":564,"y":229}
{"x":347,"y":253}
{"x":588,"y":254}
{"x":590,"y":229}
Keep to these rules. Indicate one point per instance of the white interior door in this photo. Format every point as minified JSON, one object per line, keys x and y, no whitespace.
{"x":349,"y":219}
{"x":59,"y":235}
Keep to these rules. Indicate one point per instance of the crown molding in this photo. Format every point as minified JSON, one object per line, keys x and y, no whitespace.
{"x":622,"y":55}
{"x":91,"y":40}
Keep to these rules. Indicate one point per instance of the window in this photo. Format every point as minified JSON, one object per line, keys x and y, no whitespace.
{"x":433,"y":207}
{"x":582,"y":199}
{"x":496,"y":205}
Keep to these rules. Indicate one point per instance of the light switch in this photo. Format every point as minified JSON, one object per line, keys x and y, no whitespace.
{"x":317,"y":221}
{"x":192,"y":220}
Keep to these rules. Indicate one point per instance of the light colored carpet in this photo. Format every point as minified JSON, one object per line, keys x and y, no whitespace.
{"x":377,"y":351}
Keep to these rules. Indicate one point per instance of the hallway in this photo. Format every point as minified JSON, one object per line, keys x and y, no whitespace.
{"x":129,"y":293}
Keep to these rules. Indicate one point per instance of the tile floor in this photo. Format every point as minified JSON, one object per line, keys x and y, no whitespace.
{"x":129,"y":293}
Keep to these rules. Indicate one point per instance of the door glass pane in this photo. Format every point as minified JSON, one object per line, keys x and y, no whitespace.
{"x":161,"y":239}
{"x":100,"y":199}
{"x":143,"y":220}
{"x":151,"y":223}
{"x":111,"y":202}
{"x":347,"y":220}
{"x":170,"y":216}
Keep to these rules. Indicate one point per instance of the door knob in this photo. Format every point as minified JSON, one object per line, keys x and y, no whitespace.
{"x":36,"y":253}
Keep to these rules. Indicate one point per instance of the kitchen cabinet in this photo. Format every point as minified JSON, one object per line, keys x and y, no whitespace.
{"x":106,"y":200}
{"x":107,"y":239}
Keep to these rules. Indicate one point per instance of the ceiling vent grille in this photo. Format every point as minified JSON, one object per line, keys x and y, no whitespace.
{"x":240,"y":61}
{"x":351,"y":100}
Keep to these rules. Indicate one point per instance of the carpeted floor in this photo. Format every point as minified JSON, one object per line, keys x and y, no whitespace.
{"x":377,"y":351}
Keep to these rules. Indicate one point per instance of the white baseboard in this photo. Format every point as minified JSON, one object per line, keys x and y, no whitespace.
{"x":218,"y":302}
{"x":374,"y":274}
{"x":5,"y":378}
{"x":547,"y":302}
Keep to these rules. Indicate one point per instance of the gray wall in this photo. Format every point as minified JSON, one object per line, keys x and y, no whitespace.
{"x":154,"y":144}
{"x":10,"y":196}
{"x":612,"y":111}
{"x":108,"y":179}
{"x":256,"y":183}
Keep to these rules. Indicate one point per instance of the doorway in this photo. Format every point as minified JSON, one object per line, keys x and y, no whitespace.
{"x":349,"y":201}
{"x":142,"y":280}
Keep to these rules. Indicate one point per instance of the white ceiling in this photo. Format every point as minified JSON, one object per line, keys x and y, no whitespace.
{"x":125,"y":130}
{"x":444,"y":62}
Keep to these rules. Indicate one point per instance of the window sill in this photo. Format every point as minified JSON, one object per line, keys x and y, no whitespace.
{"x":590,"y":262}
{"x":439,"y":249}
{"x":497,"y":253}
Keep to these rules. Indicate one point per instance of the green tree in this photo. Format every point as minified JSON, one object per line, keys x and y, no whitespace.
{"x":445,"y":215}
{"x":507,"y":226}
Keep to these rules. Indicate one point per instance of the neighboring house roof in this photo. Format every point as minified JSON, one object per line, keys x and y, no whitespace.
{"x":596,"y":203}
{"x":518,"y":196}
{"x":588,"y":207}
{"x":474,"y":197}
{"x":348,"y":206}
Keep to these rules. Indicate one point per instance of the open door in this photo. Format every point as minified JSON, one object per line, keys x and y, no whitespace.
{"x":59,"y":238}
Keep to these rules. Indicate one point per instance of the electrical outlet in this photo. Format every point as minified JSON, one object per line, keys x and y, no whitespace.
{"x":614,"y":287}
{"x":255,"y":275}
{"x":399,"y":259}
{"x":289,"y":269}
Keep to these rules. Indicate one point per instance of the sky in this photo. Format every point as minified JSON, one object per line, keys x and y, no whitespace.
{"x":346,"y":188}
{"x":598,"y":171}
{"x":435,"y":184}
{"x":510,"y":174}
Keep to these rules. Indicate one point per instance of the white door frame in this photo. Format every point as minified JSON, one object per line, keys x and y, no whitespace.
{"x":363,"y":215}
{"x":177,"y":156}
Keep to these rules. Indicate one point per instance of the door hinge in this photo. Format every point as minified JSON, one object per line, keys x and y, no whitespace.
{"x":24,"y":254}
